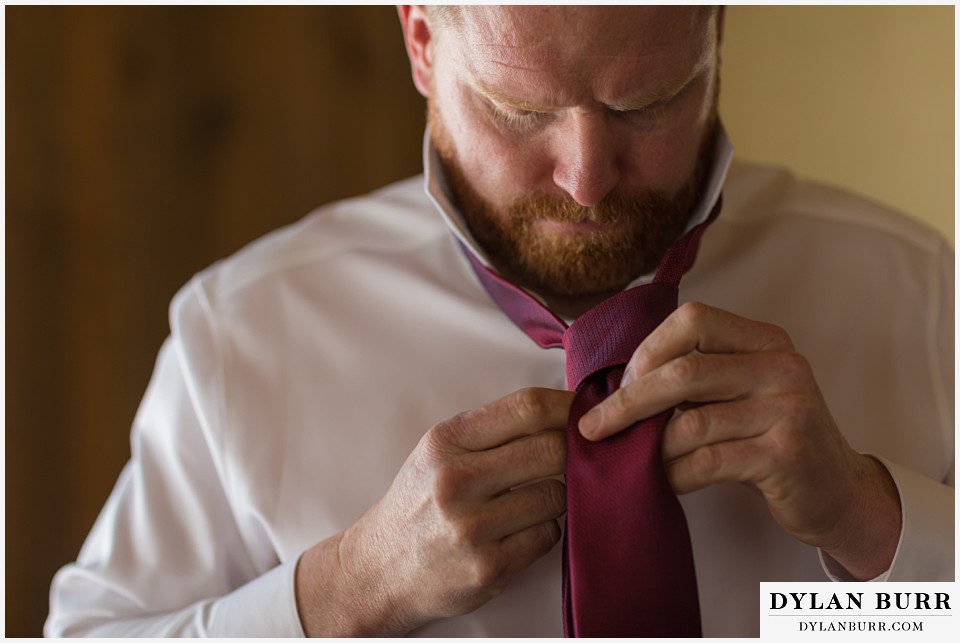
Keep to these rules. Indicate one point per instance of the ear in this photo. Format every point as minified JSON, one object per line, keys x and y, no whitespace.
{"x":416,"y":35}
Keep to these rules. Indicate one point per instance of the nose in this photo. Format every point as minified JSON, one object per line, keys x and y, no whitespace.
{"x":586,"y":158}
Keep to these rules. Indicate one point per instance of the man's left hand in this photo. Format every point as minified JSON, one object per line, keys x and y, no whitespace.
{"x":751,"y":411}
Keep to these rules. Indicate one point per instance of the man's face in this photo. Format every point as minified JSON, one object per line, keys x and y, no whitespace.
{"x":575,"y":139}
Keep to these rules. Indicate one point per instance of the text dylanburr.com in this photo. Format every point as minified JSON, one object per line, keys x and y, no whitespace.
{"x":806,"y":611}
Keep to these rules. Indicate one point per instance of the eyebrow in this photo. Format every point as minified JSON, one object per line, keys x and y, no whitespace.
{"x":508,"y":101}
{"x":638,"y":102}
{"x":650,"y":98}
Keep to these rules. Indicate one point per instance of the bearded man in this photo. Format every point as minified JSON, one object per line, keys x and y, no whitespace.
{"x":347,"y":434}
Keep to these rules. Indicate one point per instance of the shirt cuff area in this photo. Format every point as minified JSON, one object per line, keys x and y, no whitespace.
{"x":925,"y":551}
{"x":264,"y":607}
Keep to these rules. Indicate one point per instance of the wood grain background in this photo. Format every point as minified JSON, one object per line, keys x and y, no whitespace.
{"x":144,"y":143}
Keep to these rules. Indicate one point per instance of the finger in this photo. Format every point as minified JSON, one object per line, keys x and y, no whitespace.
{"x":490,"y":566}
{"x":698,"y":327}
{"x":523,"y":548}
{"x":516,"y":463}
{"x":691,"y":378}
{"x":730,"y":461}
{"x":519,"y":414}
{"x":706,"y":424}
{"x":523,"y":508}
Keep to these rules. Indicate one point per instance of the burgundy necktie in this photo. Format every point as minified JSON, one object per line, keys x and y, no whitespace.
{"x":627,"y":561}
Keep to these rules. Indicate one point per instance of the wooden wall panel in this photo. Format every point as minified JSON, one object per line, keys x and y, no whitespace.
{"x":144,"y":143}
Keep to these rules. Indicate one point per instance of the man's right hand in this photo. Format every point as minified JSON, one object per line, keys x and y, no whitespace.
{"x":472,"y":506}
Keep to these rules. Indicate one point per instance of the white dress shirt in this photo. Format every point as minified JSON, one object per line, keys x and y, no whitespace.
{"x":302,"y":371}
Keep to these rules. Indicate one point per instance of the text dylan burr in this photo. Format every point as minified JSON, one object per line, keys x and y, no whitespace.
{"x":855,"y":601}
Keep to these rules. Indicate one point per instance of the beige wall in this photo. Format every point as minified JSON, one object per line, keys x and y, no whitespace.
{"x":858,"y":96}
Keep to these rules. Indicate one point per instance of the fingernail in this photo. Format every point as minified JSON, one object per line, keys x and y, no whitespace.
{"x":590,"y":422}
{"x":628,"y":378}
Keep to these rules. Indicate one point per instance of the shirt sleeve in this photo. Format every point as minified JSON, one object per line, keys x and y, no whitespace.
{"x":925,"y":551}
{"x":166,"y":556}
{"x":926,"y":548}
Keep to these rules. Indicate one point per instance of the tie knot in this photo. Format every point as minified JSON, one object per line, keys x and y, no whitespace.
{"x":607,"y":335}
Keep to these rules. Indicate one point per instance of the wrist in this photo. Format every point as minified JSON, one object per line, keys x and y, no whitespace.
{"x":869,"y":531}
{"x":339,"y":594}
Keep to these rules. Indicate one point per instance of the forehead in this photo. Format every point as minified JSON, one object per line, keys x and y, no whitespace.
{"x":571,"y":44}
{"x":593,"y":29}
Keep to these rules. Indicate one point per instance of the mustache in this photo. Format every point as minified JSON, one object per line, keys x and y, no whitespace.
{"x":562,"y":208}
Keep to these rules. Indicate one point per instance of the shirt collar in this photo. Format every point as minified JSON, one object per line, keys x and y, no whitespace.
{"x":438,"y":191}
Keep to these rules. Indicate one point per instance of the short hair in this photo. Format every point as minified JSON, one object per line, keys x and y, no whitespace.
{"x":451,"y":15}
{"x":444,"y":15}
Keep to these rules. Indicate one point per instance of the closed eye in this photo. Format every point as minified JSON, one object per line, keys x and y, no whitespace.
{"x":652,"y":110}
{"x":514,"y":117}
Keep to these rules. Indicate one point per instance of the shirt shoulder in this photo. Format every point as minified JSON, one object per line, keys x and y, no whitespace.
{"x":397,"y":218}
{"x":331,"y":275}
{"x":304,"y":275}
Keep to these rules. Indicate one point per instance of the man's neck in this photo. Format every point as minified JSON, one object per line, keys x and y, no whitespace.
{"x":571,"y":308}
{"x":566,"y":307}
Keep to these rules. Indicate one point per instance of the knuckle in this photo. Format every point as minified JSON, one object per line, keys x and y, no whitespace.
{"x":776,"y":336}
{"x":433,"y":443}
{"x":528,"y":404}
{"x":787,"y":436}
{"x":693,"y":425}
{"x":706,"y":462}
{"x":795,"y":365}
{"x":788,"y":448}
{"x":546,"y":535}
{"x":449,"y":482}
{"x":550,"y":448}
{"x":684,"y":369}
{"x":787,"y":451}
{"x":554,"y":496}
{"x":464,"y":532}
{"x":692,"y":312}
{"x":486,"y":570}
{"x":439,"y":440}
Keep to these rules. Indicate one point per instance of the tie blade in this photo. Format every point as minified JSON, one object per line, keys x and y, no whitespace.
{"x":628,"y":567}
